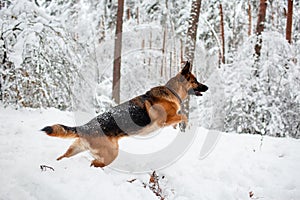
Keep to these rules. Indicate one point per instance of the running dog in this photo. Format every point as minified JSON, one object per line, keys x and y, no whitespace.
{"x":157,"y":108}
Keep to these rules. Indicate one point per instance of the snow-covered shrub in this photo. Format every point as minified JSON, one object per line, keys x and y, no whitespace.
{"x":39,"y":64}
{"x":266,"y":102}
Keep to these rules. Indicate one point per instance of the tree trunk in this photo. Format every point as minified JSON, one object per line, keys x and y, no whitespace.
{"x":137,"y":15}
{"x":150,"y":46}
{"x":289,"y":21}
{"x":192,"y":31}
{"x":260,"y":26}
{"x":222,"y":34}
{"x":181,"y":51}
{"x":128,"y":13}
{"x":117,"y":53}
{"x":163,"y":64}
{"x":249,"y":18}
{"x":190,"y":49}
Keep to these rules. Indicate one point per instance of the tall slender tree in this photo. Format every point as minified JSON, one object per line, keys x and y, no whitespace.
{"x":249,"y":18}
{"x":260,"y":26}
{"x":190,"y":47}
{"x":192,"y":31}
{"x":222,"y":33}
{"x":289,"y":21}
{"x":117,"y":53}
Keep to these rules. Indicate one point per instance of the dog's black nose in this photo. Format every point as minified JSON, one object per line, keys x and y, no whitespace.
{"x":48,"y":129}
{"x":203,"y":88}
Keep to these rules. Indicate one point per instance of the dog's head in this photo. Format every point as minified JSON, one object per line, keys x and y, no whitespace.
{"x":192,"y":86}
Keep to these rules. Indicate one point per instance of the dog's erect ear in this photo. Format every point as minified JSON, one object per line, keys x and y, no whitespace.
{"x":186,"y":69}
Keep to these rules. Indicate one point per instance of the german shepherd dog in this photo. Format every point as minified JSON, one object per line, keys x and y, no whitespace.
{"x":157,"y":108}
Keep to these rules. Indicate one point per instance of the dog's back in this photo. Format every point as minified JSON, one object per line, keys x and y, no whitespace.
{"x":125,"y":119}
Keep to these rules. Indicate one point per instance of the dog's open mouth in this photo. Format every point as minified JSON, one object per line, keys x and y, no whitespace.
{"x":194,"y":92}
{"x":198,"y":93}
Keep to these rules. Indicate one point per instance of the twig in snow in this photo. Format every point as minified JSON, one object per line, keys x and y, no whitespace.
{"x":261,"y":141}
{"x":154,"y":185}
{"x":132,"y":180}
{"x":251,"y":195}
{"x":45,"y":167}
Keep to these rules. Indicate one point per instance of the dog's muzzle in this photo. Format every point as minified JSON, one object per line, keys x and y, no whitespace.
{"x":197,"y":91}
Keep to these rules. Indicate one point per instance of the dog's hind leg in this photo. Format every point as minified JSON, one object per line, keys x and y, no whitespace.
{"x":97,"y":163}
{"x":74,"y":149}
{"x":104,"y":157}
{"x":104,"y":150}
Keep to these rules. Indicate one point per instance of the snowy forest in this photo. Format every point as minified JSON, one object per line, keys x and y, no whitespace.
{"x":60,"y":54}
{"x":67,"y":61}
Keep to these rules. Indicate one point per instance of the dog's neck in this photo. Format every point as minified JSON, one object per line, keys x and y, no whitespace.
{"x":175,"y":94}
{"x":171,"y":85}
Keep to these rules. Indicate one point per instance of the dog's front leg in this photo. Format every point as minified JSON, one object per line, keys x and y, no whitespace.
{"x":184,"y":124}
{"x":74,"y":149}
{"x":175,"y":119}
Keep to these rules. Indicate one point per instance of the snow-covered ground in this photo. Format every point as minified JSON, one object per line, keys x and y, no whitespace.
{"x":238,"y":165}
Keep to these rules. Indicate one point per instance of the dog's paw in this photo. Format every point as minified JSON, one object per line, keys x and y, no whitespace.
{"x":175,"y":126}
{"x":182,"y":126}
{"x":97,"y":163}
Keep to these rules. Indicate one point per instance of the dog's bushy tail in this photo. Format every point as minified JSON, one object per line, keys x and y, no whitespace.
{"x":61,"y":131}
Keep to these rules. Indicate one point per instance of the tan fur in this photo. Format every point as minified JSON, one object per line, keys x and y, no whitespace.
{"x":59,"y":131}
{"x":103,"y":149}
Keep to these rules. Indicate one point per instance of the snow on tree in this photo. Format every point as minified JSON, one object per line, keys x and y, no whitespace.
{"x":267,"y":103}
{"x":38,"y":61}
